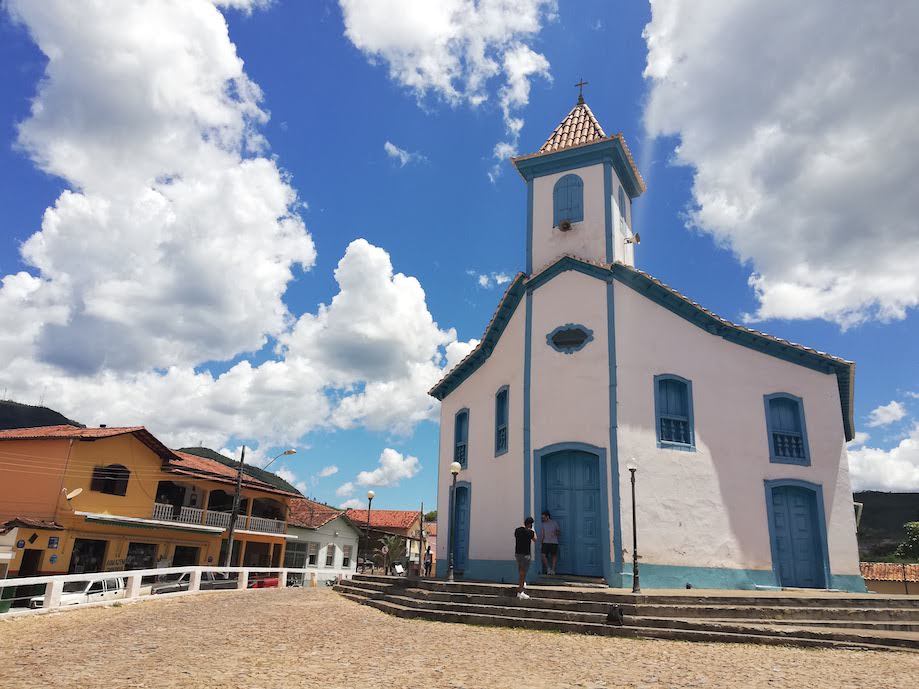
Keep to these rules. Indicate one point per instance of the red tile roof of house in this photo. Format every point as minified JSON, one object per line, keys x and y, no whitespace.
{"x":195,"y":465}
{"x":578,"y":128}
{"x":385,"y":519}
{"x":66,"y":432}
{"x":889,"y":571}
{"x":310,"y":514}
{"x":431,"y":528}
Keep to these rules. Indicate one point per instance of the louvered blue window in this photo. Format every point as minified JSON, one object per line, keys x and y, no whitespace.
{"x":673,"y":409}
{"x":568,"y":200}
{"x":461,"y":436}
{"x":501,"y":421}
{"x":622,"y":206}
{"x":786,"y":429}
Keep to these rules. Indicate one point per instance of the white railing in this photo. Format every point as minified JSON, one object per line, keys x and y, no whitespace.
{"x":265,"y":524}
{"x":186,"y":515}
{"x":191,"y":515}
{"x":162,"y":511}
{"x":194,"y":515}
{"x":133,"y":589}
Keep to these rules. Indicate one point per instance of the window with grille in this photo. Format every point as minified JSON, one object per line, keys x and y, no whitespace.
{"x":673,"y":406}
{"x":461,"y":436}
{"x":111,"y":479}
{"x":501,"y":421}
{"x":568,"y":200}
{"x":312,"y":553}
{"x":295,"y":555}
{"x":345,"y":556}
{"x":787,"y":432}
{"x":330,"y":555}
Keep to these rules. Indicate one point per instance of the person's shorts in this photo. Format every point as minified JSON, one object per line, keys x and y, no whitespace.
{"x":550,"y":548}
{"x":523,"y":562}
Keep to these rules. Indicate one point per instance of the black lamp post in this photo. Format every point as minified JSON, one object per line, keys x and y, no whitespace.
{"x":370,"y":495}
{"x":636,"y":586}
{"x":454,"y":469}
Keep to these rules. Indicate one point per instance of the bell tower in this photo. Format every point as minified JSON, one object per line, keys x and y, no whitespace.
{"x":580,"y":188}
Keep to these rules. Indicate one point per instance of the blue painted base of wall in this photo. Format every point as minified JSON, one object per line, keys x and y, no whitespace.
{"x":848,"y":582}
{"x":501,"y":571}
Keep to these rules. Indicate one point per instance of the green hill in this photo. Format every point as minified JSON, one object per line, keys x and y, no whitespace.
{"x":248,"y":469}
{"x":881,"y":526}
{"x":17,"y":415}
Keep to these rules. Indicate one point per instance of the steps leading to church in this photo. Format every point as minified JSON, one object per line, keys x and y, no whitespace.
{"x":829,"y":621}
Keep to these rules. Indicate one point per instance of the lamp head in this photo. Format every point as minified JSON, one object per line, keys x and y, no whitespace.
{"x":291,"y":451}
{"x":370,"y":494}
{"x":632,"y":466}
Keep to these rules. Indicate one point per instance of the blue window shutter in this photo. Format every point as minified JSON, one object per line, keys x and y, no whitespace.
{"x":787,"y":432}
{"x":568,"y":200}
{"x":559,"y":202}
{"x":622,"y":204}
{"x":673,"y":412}
{"x":501,"y":412}
{"x":461,"y":436}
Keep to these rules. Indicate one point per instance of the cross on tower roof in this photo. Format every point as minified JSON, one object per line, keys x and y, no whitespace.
{"x":581,"y":84}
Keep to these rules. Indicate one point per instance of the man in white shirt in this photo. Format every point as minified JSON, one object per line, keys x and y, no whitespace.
{"x":548,"y":537}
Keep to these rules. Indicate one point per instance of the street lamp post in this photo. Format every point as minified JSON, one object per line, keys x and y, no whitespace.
{"x":636,"y":586}
{"x":454,"y":469}
{"x":370,"y":495}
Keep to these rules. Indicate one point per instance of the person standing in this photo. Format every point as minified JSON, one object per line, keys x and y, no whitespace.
{"x":548,"y":537}
{"x":428,"y":561}
{"x":523,"y":548}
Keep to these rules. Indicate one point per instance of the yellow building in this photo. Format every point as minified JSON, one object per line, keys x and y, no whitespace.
{"x":137,"y":505}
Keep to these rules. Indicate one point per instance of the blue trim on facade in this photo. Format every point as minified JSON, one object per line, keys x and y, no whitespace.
{"x":600,"y":454}
{"x":570,"y":326}
{"x":530,"y":202}
{"x":670,"y":300}
{"x":507,"y":411}
{"x":613,"y":578}
{"x":666,"y":444}
{"x":655,"y":576}
{"x":848,"y":582}
{"x":468,"y":487}
{"x":527,"y":347}
{"x":501,"y":571}
{"x":608,"y":210}
{"x":817,"y":489}
{"x":775,"y":459}
{"x":465,"y":439}
{"x":608,"y":151}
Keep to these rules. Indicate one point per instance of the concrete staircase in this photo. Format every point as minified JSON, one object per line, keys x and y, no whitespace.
{"x":814,"y":619}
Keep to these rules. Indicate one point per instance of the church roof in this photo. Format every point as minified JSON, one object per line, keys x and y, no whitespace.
{"x":578,"y":128}
{"x":669,"y":298}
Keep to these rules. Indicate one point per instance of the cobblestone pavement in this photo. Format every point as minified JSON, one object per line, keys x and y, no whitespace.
{"x":314,"y":638}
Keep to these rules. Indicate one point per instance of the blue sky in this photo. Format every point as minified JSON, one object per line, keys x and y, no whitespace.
{"x":745,"y":171}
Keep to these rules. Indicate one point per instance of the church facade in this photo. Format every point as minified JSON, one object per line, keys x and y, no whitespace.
{"x":590,"y":367}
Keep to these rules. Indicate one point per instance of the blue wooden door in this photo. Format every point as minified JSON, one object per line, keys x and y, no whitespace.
{"x":461,"y":515}
{"x":571,"y":481}
{"x":796,"y":537}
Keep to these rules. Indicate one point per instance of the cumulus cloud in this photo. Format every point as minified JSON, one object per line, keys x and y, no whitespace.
{"x":799,"y":122}
{"x":886,"y":414}
{"x":896,"y":469}
{"x":353,"y":504}
{"x":393,"y":467}
{"x":860,"y":439}
{"x":325,"y":472}
{"x":453,"y":48}
{"x":490,"y":280}
{"x":345,"y":489}
{"x":400,"y":154}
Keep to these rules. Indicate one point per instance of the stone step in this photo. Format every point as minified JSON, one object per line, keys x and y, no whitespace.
{"x":912,"y":627}
{"x":684,"y":631}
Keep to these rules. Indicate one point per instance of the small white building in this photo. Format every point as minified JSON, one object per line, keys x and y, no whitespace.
{"x":590,"y":365}
{"x":321,"y":537}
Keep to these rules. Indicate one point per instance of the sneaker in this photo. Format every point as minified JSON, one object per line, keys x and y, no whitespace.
{"x":523,"y":596}
{"x":551,"y":572}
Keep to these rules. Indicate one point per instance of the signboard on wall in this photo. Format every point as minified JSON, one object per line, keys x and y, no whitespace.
{"x":54,"y":542}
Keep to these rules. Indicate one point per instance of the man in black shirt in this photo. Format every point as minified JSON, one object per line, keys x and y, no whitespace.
{"x":523,"y":548}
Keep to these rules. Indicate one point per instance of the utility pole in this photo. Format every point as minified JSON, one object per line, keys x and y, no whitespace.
{"x":235,"y":511}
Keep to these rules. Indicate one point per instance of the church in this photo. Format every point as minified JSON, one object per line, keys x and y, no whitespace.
{"x":591,"y":368}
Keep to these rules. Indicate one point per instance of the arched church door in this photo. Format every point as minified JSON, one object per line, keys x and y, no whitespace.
{"x":571,"y":492}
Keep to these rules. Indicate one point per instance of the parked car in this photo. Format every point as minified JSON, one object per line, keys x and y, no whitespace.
{"x":76,"y":592}
{"x":262,"y":582}
{"x":210,"y":581}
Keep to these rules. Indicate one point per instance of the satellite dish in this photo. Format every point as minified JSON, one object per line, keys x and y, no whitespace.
{"x":74,"y":493}
{"x":564,"y":225}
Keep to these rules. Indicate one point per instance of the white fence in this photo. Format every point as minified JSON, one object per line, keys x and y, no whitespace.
{"x":67,"y":591}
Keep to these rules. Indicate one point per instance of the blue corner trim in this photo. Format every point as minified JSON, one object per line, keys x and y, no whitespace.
{"x":570,"y":326}
{"x":666,"y":444}
{"x":815,"y":488}
{"x":608,"y":210}
{"x":529,"y":226}
{"x":773,"y":457}
{"x":609,"y":151}
{"x":613,"y":578}
{"x":671,"y":300}
{"x":527,"y":351}
{"x":507,"y":410}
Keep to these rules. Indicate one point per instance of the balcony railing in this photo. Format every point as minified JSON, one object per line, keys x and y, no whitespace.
{"x":192,"y":515}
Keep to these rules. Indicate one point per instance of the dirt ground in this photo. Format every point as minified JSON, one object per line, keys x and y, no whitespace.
{"x":297,"y":638}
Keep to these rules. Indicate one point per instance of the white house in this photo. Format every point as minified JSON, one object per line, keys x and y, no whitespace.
{"x":321,"y":537}
{"x":590,"y":364}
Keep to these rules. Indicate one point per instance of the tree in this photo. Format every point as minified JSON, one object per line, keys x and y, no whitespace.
{"x":395,"y":550}
{"x":431,"y":516}
{"x":909,"y":548}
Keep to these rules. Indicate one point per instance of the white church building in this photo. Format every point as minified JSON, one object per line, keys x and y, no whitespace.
{"x":590,"y":365}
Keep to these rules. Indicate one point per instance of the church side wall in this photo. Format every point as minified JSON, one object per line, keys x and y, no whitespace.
{"x":496,"y":483}
{"x":702,"y":515}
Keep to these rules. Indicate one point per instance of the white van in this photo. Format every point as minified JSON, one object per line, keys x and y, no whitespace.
{"x":76,"y":592}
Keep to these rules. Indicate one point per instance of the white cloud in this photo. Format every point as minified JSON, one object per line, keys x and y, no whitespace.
{"x":860,"y":439}
{"x":888,"y":470}
{"x":400,"y":154}
{"x":353,"y":504}
{"x":886,"y":414}
{"x":489,"y":280}
{"x":452,"y":48}
{"x":799,"y":120}
{"x":330,"y":470}
{"x":394,"y":466}
{"x":913,"y":395}
{"x":345,"y":489}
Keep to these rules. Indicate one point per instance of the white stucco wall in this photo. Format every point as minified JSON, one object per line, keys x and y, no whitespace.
{"x":337,"y":533}
{"x":708,"y":508}
{"x":497,"y":492}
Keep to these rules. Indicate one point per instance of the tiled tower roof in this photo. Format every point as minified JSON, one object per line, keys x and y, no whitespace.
{"x":579,"y":127}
